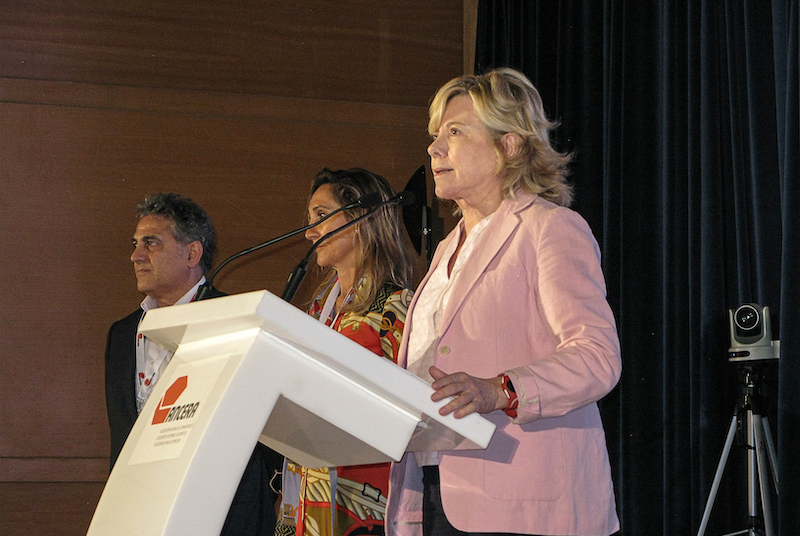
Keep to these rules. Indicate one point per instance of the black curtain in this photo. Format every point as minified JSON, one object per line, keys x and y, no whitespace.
{"x":683,"y":117}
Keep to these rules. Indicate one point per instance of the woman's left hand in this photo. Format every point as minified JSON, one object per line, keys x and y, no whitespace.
{"x":470,"y":394}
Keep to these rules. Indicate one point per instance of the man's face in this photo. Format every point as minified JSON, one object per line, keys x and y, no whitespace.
{"x":164,"y":268}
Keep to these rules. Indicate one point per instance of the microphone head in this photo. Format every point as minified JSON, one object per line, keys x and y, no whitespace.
{"x":369,"y":200}
{"x":405,"y":198}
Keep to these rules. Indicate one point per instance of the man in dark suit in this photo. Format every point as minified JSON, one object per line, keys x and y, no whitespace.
{"x":173,"y":249}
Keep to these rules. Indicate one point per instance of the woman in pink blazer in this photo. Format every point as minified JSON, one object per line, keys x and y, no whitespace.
{"x":512,"y":322}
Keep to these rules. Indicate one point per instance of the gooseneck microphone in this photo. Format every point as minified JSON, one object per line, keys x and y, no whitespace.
{"x":368,"y":201}
{"x":299,"y":271}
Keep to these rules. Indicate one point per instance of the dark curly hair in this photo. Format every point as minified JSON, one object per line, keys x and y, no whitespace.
{"x":190,"y":222}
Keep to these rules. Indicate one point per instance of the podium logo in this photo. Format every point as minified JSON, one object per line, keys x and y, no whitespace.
{"x":167,"y":410}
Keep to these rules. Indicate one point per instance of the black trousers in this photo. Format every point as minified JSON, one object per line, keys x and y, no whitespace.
{"x":434,"y":522}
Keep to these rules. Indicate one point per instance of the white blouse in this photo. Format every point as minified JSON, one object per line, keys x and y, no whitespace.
{"x":426,"y":318}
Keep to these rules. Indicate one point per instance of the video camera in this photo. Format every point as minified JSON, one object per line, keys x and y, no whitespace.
{"x":751,"y":334}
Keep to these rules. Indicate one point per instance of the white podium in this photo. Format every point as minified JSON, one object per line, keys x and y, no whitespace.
{"x":251,"y":367}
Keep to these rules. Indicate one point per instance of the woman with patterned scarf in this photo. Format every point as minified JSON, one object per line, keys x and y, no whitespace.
{"x":364,"y":296}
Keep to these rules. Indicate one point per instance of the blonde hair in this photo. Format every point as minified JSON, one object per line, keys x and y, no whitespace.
{"x":382,"y":251}
{"x":506,"y":102}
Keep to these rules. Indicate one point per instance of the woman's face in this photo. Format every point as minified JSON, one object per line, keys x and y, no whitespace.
{"x":337,"y":252}
{"x":463,"y":159}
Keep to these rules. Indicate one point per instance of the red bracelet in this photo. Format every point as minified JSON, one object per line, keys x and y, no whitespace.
{"x":511,"y":394}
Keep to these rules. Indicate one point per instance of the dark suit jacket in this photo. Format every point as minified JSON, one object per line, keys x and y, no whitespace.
{"x":252,"y":511}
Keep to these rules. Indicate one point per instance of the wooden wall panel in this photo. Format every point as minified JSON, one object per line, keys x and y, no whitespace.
{"x":236,"y":105}
{"x":74,"y":175}
{"x":355,"y":50}
{"x":47,"y":509}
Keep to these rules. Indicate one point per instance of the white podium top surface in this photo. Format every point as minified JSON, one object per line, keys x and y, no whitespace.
{"x":200,"y":321}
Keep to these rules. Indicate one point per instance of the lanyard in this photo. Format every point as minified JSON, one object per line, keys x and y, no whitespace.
{"x":324,"y":317}
{"x":151,"y":359}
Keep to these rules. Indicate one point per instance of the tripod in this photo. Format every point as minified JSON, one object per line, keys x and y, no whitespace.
{"x":749,"y":413}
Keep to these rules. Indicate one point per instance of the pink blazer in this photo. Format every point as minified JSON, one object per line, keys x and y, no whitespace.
{"x":529,"y":302}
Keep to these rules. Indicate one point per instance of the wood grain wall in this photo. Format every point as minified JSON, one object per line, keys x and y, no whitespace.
{"x":234,"y":104}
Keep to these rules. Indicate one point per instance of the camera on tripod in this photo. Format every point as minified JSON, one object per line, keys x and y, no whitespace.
{"x":751,"y":347}
{"x":751,"y":334}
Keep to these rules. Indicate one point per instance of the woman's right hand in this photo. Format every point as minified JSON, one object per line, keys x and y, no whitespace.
{"x":470,"y":394}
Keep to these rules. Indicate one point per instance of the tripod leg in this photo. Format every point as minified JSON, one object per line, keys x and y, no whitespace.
{"x":752,"y":469}
{"x":718,"y":475}
{"x":766,"y":508}
{"x":771,"y":455}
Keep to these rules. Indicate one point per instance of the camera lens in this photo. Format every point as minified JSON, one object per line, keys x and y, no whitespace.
{"x":746,"y":317}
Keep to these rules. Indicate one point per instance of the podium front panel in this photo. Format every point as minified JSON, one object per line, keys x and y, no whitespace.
{"x":251,"y":367}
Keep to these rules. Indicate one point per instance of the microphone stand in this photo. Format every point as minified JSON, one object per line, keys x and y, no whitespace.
{"x":369,"y":200}
{"x":299,"y":271}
